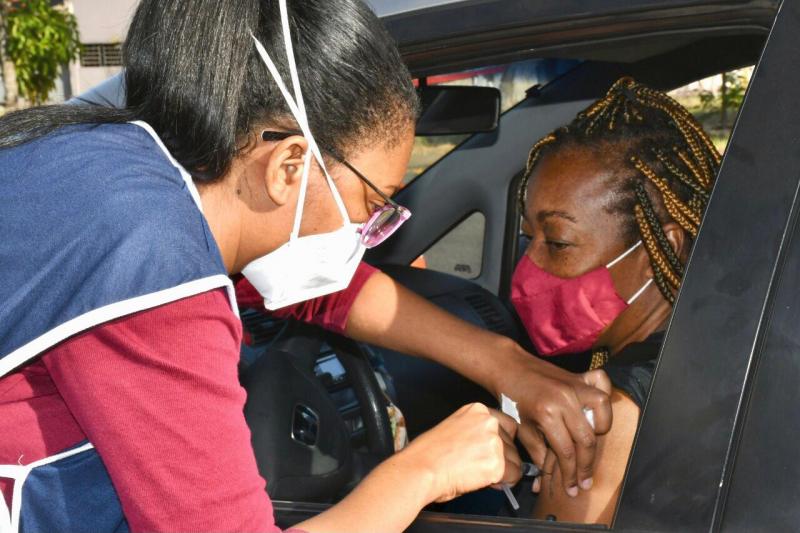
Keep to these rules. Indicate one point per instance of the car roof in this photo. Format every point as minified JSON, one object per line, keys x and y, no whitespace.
{"x":438,"y":36}
{"x":388,"y":8}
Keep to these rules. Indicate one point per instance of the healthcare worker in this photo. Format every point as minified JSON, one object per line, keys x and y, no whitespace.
{"x":250,"y":131}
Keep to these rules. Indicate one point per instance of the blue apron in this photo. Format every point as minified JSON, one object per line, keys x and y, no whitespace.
{"x":97,"y":222}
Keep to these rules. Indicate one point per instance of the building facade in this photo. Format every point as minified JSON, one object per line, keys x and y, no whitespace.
{"x":103,"y":25}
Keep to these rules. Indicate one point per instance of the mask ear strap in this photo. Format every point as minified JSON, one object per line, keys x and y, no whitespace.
{"x":294,"y":77}
{"x":625,"y":254}
{"x":301,"y":107}
{"x":297,"y":107}
{"x":640,"y":291}
{"x":301,"y":197}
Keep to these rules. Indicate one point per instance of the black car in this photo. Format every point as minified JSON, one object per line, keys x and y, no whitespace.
{"x":715,"y":446}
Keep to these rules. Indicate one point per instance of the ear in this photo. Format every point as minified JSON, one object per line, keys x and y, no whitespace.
{"x":677,"y":240}
{"x":284,"y":168}
{"x":676,"y":236}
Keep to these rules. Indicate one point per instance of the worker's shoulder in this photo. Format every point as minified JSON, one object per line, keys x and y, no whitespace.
{"x":106,"y":182}
{"x":89,"y":156}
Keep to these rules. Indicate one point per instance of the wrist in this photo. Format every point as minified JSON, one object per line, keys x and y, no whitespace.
{"x":510,"y":360}
{"x":417,"y":471}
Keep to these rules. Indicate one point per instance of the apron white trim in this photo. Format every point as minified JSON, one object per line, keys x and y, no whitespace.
{"x":190,"y":185}
{"x":20,"y":473}
{"x":113,"y":311}
{"x":187,"y":178}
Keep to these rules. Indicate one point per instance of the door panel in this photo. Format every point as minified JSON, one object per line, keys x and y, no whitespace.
{"x":678,"y":468}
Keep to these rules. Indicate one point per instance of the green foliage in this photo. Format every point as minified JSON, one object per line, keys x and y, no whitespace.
{"x":708,"y":100}
{"x":728,"y":98}
{"x":736,"y":86}
{"x":41,"y":39}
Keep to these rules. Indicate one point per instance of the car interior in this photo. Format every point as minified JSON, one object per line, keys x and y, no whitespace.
{"x":466,"y":229}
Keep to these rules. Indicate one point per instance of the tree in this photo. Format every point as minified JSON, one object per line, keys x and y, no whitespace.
{"x":729,"y":97}
{"x":734,"y":87}
{"x":40,"y":39}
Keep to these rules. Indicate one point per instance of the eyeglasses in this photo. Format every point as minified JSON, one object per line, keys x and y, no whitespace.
{"x":384,"y":220}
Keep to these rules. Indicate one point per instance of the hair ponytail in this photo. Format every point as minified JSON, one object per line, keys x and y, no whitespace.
{"x":186,"y":66}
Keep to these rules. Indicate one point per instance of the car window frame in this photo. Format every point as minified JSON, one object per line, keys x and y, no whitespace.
{"x":722,"y":309}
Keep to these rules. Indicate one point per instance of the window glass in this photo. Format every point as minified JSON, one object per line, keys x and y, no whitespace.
{"x":715,"y":102}
{"x":460,"y":251}
{"x":513,"y":80}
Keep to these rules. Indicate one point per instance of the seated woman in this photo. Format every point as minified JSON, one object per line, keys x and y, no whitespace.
{"x":612,"y":203}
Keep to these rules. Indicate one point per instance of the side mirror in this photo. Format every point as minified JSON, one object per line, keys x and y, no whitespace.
{"x":455,"y":110}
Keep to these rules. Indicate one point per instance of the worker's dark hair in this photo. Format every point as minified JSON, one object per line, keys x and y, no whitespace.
{"x":665,"y":167}
{"x":192,"y":72}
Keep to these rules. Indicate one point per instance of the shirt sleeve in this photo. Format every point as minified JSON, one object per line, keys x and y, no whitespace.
{"x":330,"y":311}
{"x":633,"y":379}
{"x":158,"y":395}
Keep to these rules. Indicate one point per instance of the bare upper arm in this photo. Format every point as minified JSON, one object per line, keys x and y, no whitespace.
{"x":596,"y":505}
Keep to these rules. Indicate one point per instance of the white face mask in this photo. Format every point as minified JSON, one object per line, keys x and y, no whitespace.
{"x":315,"y":265}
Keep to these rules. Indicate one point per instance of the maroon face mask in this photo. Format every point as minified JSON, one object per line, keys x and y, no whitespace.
{"x":567,"y":315}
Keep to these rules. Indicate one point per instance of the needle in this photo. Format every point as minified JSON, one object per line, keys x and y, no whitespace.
{"x":510,"y":495}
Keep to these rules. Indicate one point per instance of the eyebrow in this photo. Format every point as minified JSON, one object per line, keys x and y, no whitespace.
{"x":541,"y":216}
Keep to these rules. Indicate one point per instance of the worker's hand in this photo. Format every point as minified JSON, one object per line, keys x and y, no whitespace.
{"x":470,"y":450}
{"x":551,"y":405}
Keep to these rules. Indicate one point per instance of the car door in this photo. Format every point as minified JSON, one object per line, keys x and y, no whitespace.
{"x":715,"y":447}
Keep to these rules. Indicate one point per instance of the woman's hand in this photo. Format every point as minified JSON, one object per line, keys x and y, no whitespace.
{"x":613,"y":450}
{"x":470,"y":450}
{"x":551,"y":404}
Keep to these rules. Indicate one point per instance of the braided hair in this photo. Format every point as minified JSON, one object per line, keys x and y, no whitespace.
{"x":665,"y":167}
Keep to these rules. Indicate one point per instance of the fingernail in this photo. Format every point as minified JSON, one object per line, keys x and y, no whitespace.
{"x":572,"y":491}
{"x":586,"y":484}
{"x":537,"y":484}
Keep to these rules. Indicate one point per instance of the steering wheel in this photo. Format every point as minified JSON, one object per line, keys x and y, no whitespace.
{"x":302,"y":446}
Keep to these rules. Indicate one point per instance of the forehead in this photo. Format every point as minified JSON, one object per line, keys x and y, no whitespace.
{"x":572,"y":180}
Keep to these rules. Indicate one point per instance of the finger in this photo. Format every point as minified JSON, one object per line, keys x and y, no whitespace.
{"x":508,"y":439}
{"x":549,"y":465}
{"x":585,"y":442}
{"x":600,"y":403}
{"x":560,"y":440}
{"x":549,"y":471}
{"x":508,"y":424}
{"x":513,"y":467}
{"x":599,"y":380}
{"x":533,"y":440}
